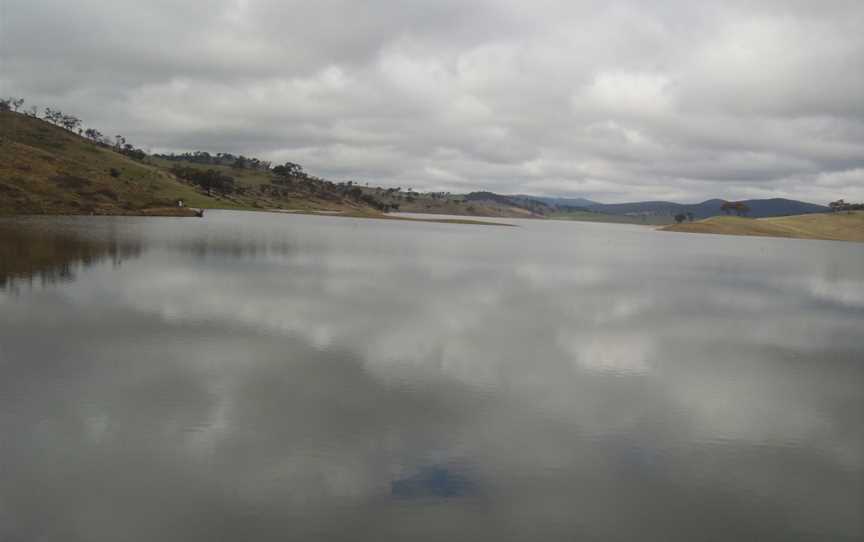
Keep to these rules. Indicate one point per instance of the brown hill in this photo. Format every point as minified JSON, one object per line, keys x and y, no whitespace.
{"x":841,"y":226}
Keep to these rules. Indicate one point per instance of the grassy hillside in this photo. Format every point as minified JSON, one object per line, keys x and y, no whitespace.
{"x":45,"y":169}
{"x":843,"y":226}
{"x":484,"y":204}
{"x":262,"y":189}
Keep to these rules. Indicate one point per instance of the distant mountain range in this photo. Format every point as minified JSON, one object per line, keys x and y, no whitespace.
{"x":759,"y":208}
{"x":564,"y":202}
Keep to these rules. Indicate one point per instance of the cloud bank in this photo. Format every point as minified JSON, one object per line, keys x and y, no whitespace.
{"x":612,"y":101}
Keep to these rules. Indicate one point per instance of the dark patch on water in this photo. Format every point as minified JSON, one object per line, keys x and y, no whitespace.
{"x":432,"y":482}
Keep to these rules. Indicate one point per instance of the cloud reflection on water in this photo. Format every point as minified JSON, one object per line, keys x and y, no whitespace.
{"x":287,"y":386}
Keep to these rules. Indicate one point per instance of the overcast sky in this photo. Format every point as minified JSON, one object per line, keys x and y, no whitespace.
{"x":613,"y":101}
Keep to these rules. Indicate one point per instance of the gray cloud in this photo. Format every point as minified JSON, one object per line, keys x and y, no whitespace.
{"x":631,"y":100}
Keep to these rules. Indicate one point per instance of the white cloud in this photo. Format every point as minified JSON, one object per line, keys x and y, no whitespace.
{"x":621,"y":93}
{"x":626,"y":101}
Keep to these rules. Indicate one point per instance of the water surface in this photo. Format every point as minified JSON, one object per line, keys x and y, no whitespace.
{"x":251,"y":376}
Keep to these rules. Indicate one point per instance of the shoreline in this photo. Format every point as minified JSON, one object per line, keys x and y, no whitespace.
{"x":189,"y":212}
{"x":383,"y":216}
{"x":166,"y":212}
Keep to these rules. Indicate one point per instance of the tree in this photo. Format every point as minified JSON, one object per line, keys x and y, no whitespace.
{"x":290,"y":169}
{"x":93,"y":135}
{"x":53,"y":116}
{"x":11,"y":104}
{"x":680,"y":217}
{"x":738,"y":207}
{"x":32,"y":112}
{"x":842,"y":205}
{"x":70,"y":122}
{"x":689,"y":216}
{"x":838,"y":205}
{"x":202,"y":157}
{"x":210,"y":180}
{"x":130,"y":151}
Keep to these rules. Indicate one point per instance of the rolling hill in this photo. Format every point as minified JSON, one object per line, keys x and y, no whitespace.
{"x":46,"y":169}
{"x":842,"y":226}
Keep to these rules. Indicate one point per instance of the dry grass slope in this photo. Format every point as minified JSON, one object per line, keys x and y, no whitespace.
{"x":842,"y":226}
{"x":47,"y":170}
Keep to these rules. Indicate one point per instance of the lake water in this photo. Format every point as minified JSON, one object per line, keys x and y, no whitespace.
{"x":273,"y":377}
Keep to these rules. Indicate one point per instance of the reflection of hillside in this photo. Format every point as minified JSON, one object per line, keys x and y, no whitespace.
{"x":50,"y":255}
{"x":244,"y":248}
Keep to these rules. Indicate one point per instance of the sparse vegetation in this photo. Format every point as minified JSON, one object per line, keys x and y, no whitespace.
{"x":831,"y":226}
{"x":53,"y":165}
{"x":47,"y":168}
{"x":842,"y":205}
